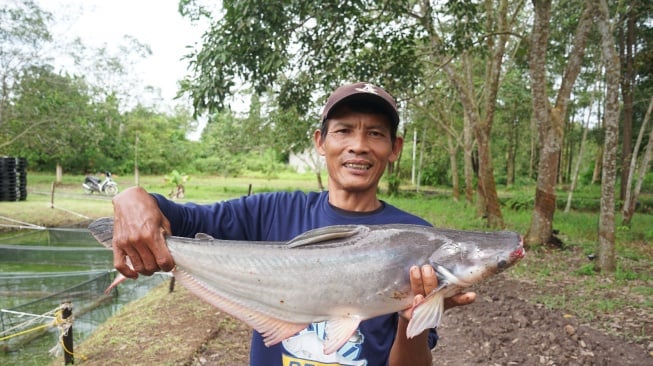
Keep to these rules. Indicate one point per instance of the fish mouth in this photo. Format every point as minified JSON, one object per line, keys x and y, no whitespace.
{"x":518,"y":254}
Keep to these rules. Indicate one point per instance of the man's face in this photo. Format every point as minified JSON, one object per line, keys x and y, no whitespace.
{"x":357,"y":148}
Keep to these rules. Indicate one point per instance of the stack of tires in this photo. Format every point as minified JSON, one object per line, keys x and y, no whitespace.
{"x":13,"y":178}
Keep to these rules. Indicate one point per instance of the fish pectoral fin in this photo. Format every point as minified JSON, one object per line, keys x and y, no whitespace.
{"x":426,"y":314}
{"x":339,"y":331}
{"x":324,"y":234}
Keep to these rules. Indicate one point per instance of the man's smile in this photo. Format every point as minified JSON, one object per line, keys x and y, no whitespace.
{"x":358,"y":166}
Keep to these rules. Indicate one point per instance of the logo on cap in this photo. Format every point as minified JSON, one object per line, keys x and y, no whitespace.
{"x":368,"y":88}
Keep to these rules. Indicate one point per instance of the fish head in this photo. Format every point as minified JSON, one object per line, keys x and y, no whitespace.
{"x":466,"y":258}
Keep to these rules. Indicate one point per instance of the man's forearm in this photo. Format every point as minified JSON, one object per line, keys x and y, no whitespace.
{"x":410,"y":352}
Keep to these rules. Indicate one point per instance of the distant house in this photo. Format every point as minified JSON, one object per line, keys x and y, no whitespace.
{"x":307,"y":161}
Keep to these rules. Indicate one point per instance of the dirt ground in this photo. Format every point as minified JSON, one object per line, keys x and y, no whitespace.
{"x":503,"y":328}
{"x":500,"y":328}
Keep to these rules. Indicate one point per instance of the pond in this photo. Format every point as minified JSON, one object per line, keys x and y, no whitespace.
{"x":40,"y":269}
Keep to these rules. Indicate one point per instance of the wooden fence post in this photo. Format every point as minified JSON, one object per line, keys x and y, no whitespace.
{"x":67,"y":338}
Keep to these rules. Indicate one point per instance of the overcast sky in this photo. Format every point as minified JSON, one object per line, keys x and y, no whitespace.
{"x":153,"y":22}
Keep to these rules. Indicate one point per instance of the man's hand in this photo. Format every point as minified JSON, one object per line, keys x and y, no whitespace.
{"x":423,"y":280}
{"x":139,"y":230}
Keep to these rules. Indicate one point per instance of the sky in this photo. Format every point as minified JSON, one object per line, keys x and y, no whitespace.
{"x":156,"y":23}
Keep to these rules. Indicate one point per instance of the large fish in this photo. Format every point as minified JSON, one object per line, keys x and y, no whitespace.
{"x":338,"y":274}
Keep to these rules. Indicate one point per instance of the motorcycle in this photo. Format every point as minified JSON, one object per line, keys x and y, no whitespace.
{"x":108,"y":186}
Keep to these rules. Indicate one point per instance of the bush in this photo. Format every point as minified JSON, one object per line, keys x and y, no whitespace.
{"x":226,"y":167}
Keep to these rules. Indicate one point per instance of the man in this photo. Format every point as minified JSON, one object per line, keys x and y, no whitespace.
{"x":358,"y":138}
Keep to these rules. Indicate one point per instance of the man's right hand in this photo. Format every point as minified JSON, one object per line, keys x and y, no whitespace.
{"x":139,"y":230}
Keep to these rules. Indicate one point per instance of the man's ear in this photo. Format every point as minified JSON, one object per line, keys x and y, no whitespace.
{"x":396,"y":149}
{"x":318,"y":140}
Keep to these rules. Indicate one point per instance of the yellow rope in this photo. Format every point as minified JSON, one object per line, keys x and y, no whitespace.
{"x":60,"y":322}
{"x":25,"y":332}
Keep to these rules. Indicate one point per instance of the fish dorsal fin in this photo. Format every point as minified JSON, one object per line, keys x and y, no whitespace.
{"x":325,"y":234}
{"x":339,"y":331}
{"x":202,"y":236}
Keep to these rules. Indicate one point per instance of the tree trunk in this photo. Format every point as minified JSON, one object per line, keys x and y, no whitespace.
{"x":513,"y":142}
{"x":468,"y":167}
{"x":550,"y":119}
{"x":627,"y":81}
{"x":579,"y":159}
{"x":631,"y":197}
{"x":455,"y":181}
{"x":420,"y":165}
{"x":606,"y":251}
{"x":414,"y":165}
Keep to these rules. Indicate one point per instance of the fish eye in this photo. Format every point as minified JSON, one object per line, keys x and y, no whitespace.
{"x":502,"y":264}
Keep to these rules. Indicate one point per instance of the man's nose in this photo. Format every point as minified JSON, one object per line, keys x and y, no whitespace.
{"x":359,"y":142}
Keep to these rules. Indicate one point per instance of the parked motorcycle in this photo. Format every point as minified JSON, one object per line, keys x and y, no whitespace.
{"x":93,"y":184}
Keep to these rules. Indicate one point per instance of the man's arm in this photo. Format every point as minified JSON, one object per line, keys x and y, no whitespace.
{"x":139,"y":230}
{"x":416,"y":351}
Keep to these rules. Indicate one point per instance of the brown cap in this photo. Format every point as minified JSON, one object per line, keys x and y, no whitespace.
{"x":363,"y":91}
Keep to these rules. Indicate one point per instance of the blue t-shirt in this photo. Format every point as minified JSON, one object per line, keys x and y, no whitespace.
{"x":280,"y":216}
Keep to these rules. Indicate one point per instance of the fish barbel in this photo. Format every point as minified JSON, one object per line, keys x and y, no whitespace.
{"x":339,"y":274}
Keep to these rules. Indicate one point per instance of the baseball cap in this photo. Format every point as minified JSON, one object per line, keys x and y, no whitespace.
{"x":363,"y":91}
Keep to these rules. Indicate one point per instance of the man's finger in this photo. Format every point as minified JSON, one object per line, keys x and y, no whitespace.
{"x":164,"y":259}
{"x":429,"y":279}
{"x":120,"y":263}
{"x":416,"y":284}
{"x":460,"y":300}
{"x":148,"y":262}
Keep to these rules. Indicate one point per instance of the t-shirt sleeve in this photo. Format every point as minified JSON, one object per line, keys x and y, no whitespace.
{"x":245,"y":218}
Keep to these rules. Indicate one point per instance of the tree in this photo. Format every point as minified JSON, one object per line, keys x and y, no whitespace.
{"x":606,"y":250}
{"x":23,"y":32}
{"x":303,"y":50}
{"x":548,"y":118}
{"x":51,"y":120}
{"x":632,"y":194}
{"x":163,"y":146}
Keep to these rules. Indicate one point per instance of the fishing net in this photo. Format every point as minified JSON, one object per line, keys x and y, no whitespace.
{"x":22,"y":324}
{"x":40,"y":269}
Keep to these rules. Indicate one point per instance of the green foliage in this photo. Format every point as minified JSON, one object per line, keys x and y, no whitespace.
{"x":51,"y":120}
{"x":262,"y":43}
{"x":519,"y":202}
{"x":393,"y":181}
{"x":647,"y":185}
{"x":226,"y":166}
{"x":266,"y":162}
{"x":587,"y":269}
{"x":177,"y":181}
{"x":176,"y":178}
